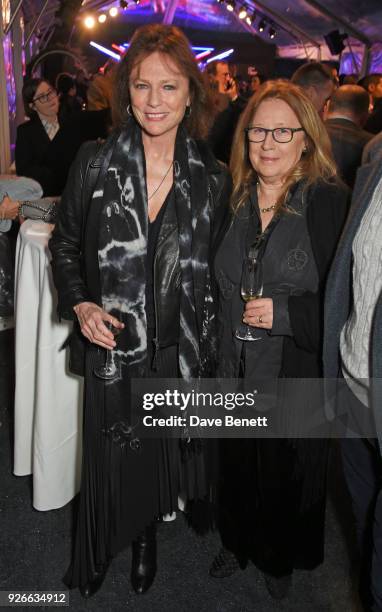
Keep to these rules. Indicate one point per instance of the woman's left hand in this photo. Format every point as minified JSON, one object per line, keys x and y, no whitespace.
{"x":9,"y":208}
{"x":259,"y":313}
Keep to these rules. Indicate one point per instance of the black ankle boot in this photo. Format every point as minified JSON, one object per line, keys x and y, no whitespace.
{"x":144,"y":561}
{"x":225,"y":564}
{"x":278,"y":588}
{"x":92,"y":587}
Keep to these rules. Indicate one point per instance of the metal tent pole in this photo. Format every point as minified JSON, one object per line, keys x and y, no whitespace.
{"x":5,"y":145}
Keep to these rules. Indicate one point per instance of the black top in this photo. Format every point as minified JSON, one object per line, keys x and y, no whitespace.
{"x":152,"y":239}
{"x":301,"y":355}
{"x":48,"y":161}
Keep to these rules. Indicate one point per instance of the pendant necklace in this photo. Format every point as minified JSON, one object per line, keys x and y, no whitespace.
{"x":161,"y":183}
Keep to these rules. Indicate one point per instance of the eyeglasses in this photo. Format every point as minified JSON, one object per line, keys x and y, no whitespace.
{"x":45,"y":97}
{"x":283,"y":134}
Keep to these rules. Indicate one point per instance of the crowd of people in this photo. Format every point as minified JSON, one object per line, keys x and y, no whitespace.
{"x":155,"y":226}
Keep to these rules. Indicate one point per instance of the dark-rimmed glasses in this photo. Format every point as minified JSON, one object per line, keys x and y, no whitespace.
{"x":45,"y":97}
{"x":282,"y":134}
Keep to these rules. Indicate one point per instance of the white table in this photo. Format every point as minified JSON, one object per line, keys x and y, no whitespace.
{"x":48,"y":399}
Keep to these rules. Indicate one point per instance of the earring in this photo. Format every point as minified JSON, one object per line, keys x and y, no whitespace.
{"x":128,"y":110}
{"x":187,"y":111}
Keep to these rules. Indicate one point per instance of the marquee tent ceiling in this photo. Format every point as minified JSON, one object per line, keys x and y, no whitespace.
{"x":300,"y":24}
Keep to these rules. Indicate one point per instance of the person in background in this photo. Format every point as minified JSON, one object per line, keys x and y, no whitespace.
{"x":12,"y":189}
{"x":373,"y":85}
{"x":317,"y":82}
{"x":346,"y":115}
{"x":287,"y":199}
{"x":67,"y":93}
{"x":348,"y":79}
{"x":223,"y":85}
{"x":137,"y":256}
{"x":47,"y":144}
{"x":353,"y":353}
{"x":100,"y":90}
{"x":373,"y":149}
{"x":255,"y":81}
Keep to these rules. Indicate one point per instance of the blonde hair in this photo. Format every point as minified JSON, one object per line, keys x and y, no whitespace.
{"x":316,"y":162}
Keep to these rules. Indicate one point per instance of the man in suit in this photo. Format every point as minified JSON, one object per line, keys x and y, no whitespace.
{"x":348,"y":111}
{"x":353,"y":352}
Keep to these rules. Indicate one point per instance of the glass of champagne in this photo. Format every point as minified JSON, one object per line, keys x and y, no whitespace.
{"x":251,"y":289}
{"x":109,"y":369}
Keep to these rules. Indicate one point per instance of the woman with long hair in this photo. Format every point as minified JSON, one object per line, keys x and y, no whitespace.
{"x":136,"y":256}
{"x":288,"y":209}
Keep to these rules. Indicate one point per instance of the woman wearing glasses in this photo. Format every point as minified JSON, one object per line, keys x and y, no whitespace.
{"x":46,"y":145}
{"x":288,"y":210}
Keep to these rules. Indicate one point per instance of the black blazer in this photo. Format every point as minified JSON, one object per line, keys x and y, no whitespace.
{"x":48,"y":161}
{"x":348,"y":141}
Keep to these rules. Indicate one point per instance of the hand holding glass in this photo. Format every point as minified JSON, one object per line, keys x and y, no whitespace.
{"x":251,"y":289}
{"x":109,"y":369}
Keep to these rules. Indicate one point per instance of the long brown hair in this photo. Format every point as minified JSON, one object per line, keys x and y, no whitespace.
{"x":316,"y":162}
{"x":171,"y":42}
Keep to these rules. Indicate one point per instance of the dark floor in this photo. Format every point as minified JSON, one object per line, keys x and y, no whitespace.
{"x":35,"y":550}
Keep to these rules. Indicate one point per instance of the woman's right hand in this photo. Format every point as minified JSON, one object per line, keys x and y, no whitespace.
{"x":9,"y":208}
{"x":91,"y":318}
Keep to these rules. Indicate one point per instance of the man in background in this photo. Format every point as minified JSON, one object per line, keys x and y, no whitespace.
{"x":346,"y":116}
{"x":317,"y":81}
{"x":373,"y":85}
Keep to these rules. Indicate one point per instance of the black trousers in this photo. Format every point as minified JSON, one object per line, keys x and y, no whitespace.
{"x":362,"y":465}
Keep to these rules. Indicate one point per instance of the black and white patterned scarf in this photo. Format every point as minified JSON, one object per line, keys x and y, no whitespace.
{"x":123,"y":249}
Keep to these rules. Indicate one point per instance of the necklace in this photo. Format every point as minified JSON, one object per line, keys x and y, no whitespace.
{"x":161,"y":183}
{"x":268,"y":209}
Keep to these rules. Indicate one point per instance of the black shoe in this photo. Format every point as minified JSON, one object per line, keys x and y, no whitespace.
{"x":92,"y":587}
{"x":225,"y":564}
{"x":278,"y":588}
{"x":144,"y":561}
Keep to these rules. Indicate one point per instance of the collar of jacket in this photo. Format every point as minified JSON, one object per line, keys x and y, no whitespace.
{"x":213,"y":166}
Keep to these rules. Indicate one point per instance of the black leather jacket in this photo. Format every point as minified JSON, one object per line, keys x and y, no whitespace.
{"x":74,"y":244}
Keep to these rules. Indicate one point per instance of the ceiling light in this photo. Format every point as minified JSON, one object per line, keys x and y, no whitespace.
{"x":262,"y":25}
{"x":113,"y":12}
{"x":272,"y":32}
{"x":242,"y":13}
{"x":230,"y":6}
{"x":251,"y":18}
{"x":102,"y":18}
{"x":89,"y":22}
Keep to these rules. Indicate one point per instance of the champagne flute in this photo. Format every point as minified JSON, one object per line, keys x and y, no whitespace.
{"x":109,"y":369}
{"x":251,"y":289}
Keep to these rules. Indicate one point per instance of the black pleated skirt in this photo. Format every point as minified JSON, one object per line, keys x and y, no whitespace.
{"x":123,"y":488}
